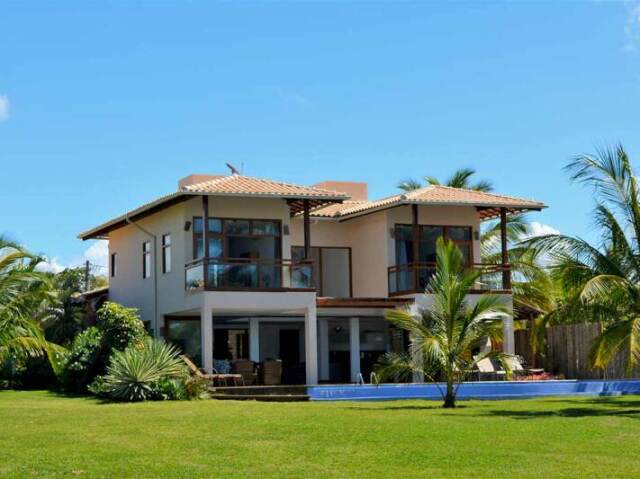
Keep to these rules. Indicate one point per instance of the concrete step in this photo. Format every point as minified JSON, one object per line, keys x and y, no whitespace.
{"x":261,"y":397}
{"x":284,"y":390}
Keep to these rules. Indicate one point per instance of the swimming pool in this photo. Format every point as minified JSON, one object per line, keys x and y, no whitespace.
{"x":475,"y":390}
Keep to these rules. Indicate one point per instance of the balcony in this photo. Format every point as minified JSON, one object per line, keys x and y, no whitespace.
{"x":414,"y":278}
{"x":249,"y":274}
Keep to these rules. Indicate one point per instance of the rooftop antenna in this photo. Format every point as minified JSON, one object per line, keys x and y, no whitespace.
{"x":234,"y":170}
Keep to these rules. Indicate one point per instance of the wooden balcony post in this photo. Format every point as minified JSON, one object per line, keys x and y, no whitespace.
{"x":205,"y":238}
{"x":506,"y":271}
{"x":307,"y":230}
{"x":416,"y":245}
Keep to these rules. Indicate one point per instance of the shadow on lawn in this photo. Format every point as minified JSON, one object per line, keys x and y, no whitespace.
{"x":629,"y":408}
{"x":431,"y":407}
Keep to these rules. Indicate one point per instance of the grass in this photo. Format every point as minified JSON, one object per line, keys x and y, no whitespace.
{"x":45,"y":435}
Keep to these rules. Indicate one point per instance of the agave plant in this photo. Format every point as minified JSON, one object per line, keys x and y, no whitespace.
{"x":445,"y":335}
{"x":136,"y":373}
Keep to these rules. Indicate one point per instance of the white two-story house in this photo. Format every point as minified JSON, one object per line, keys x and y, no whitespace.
{"x":232,"y":267}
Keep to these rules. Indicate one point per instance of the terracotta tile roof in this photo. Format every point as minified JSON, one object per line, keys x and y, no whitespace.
{"x":335,"y":209}
{"x":488,"y":203}
{"x":246,"y":185}
{"x":232,"y":185}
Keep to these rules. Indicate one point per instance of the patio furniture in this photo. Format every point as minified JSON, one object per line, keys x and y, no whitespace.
{"x":271,"y":372}
{"x":216,"y":378}
{"x":519,"y":369}
{"x":246,"y":369}
{"x":487,"y":371}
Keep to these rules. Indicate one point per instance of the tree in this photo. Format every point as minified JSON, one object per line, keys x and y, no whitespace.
{"x":26,"y":298}
{"x":445,"y":336}
{"x":70,"y":315}
{"x":459,"y":179}
{"x":601,"y":282}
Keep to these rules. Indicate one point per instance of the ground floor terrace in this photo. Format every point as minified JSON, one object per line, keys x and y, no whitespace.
{"x":311,"y":340}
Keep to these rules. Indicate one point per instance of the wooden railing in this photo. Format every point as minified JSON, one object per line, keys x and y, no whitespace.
{"x":249,"y":274}
{"x":415,"y":277}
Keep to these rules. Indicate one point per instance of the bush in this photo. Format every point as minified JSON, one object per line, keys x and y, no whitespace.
{"x":116,"y":329}
{"x":121,"y":326}
{"x":86,"y":360}
{"x":146,"y":371}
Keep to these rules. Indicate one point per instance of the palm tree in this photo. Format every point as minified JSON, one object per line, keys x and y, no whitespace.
{"x":601,"y":282}
{"x":459,"y":179}
{"x":26,"y":297}
{"x":445,"y":336}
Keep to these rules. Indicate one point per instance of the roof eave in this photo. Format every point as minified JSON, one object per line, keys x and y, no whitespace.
{"x":100,"y":231}
{"x":407,"y":201}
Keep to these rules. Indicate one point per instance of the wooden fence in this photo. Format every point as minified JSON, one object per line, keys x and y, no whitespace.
{"x":567,"y":352}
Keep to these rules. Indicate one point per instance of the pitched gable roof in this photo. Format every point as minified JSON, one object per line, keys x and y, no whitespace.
{"x":232,"y":185}
{"x":488,"y":204}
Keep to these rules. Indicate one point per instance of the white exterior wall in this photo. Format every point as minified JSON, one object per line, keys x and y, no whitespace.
{"x":372,"y":244}
{"x":130,"y":289}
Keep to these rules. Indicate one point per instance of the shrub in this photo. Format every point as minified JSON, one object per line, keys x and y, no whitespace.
{"x":86,"y":359}
{"x":145,"y":371}
{"x":121,"y":326}
{"x":197,"y":388}
{"x":116,"y":329}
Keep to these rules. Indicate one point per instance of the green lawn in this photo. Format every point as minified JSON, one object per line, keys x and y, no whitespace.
{"x":44,"y":435}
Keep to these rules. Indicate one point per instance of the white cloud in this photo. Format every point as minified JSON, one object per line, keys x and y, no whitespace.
{"x":541,"y":229}
{"x":97,"y":254}
{"x":51,"y":265}
{"x":632,"y":27}
{"x":4,"y":107}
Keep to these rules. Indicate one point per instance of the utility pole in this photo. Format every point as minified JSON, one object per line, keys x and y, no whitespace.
{"x":86,"y":275}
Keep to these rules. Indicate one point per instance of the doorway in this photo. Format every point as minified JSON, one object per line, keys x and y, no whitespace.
{"x":293,"y":371}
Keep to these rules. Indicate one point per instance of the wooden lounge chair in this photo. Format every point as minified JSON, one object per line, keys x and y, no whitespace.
{"x":216,"y":378}
{"x":488,"y":372}
{"x":518,"y":368}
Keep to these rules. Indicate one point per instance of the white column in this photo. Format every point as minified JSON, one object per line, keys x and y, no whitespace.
{"x":254,"y":340}
{"x":323,"y":332}
{"x":354,"y":348}
{"x":311,"y":342}
{"x":508,"y":339}
{"x":206,"y":333}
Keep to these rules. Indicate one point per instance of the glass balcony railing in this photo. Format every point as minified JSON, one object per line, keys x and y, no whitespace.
{"x":415,"y":277}
{"x":241,"y":274}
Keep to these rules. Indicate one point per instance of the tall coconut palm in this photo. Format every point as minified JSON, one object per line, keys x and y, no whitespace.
{"x":445,"y":335}
{"x":459,"y":179}
{"x":602,"y":281}
{"x":25,"y":299}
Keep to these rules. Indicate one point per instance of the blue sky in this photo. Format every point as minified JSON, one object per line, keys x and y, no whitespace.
{"x":104,"y":106}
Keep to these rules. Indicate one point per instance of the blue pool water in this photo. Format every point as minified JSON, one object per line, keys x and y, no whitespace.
{"x":476,"y":390}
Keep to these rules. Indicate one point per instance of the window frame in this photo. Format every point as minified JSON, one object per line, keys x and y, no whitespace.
{"x":166,"y":250}
{"x":319,"y":266}
{"x":224,"y":236}
{"x":146,"y":254}
{"x":445,"y":229}
{"x":112,"y":264}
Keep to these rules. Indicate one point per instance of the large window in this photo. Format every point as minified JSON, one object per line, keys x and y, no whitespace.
{"x":460,"y":235}
{"x":185,"y":334}
{"x":146,"y":259}
{"x":238,"y":238}
{"x":235,"y":246}
{"x":166,"y":253}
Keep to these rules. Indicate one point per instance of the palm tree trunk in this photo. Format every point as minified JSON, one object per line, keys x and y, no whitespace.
{"x":450,"y":397}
